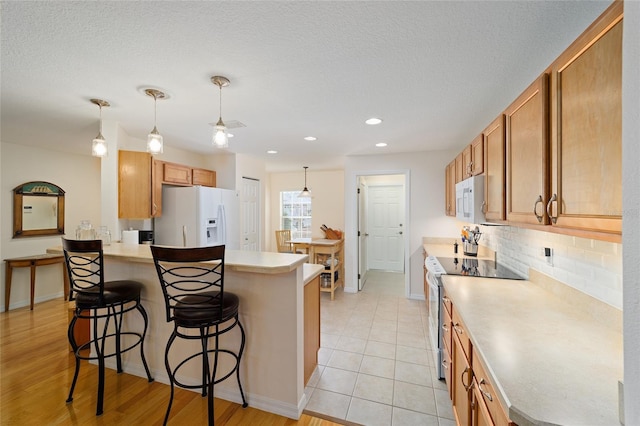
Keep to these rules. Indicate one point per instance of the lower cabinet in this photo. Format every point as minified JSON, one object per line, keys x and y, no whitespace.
{"x":472,"y":391}
{"x":311,"y":327}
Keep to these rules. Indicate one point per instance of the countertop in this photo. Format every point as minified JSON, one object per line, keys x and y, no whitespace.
{"x":242,"y":261}
{"x":310,"y":271}
{"x":552,"y":361}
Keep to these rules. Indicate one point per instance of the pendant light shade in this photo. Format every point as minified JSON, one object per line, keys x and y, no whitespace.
{"x":220,"y":137}
{"x":99,"y":145}
{"x":305,"y":193}
{"x":154,"y":138}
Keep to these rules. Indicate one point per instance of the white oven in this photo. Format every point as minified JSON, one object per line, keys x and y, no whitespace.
{"x":434,"y":270}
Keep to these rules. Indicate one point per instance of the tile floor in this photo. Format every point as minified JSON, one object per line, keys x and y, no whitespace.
{"x":375,"y":365}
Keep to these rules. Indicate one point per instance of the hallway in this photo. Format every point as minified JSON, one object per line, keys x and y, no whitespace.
{"x":375,"y":361}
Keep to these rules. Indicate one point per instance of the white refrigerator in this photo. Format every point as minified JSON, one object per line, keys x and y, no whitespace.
{"x":198,"y":216}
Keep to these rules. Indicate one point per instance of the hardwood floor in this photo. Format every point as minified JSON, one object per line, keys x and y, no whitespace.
{"x":36,"y":369}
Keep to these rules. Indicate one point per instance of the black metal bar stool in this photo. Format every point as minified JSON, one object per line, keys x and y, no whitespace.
{"x":192,"y":281}
{"x":104,"y":303}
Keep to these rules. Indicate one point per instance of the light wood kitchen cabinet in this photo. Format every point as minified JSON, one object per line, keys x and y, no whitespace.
{"x":459,"y":161}
{"x":135,"y":197}
{"x":494,"y":170}
{"x":485,"y":393}
{"x":203,"y":177}
{"x":450,"y":189}
{"x":586,"y":123}
{"x":527,"y":149}
{"x":479,"y":412}
{"x":473,"y":158}
{"x":461,"y":378}
{"x":176,"y":174}
{"x":156,"y":188}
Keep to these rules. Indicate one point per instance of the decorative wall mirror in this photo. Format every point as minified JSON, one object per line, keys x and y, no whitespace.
{"x":38,"y":209}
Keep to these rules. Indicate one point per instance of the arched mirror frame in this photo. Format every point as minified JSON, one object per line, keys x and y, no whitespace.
{"x":37,"y":189}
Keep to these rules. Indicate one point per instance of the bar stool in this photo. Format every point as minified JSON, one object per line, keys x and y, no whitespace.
{"x":192,"y":281}
{"x":103,"y":303}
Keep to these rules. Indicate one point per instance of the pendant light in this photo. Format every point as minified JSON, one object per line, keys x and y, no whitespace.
{"x":154,"y":139}
{"x":305,"y":193}
{"x":99,"y":146}
{"x":220,"y":137}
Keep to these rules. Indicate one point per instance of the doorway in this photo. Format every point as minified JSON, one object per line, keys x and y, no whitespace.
{"x":382,"y":226}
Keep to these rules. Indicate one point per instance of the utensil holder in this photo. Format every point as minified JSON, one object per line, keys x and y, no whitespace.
{"x":470,"y":249}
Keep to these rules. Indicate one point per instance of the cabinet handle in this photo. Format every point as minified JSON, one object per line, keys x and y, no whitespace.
{"x":155,"y":209}
{"x":444,"y":364}
{"x":483,"y":207}
{"x":445,"y":328}
{"x":484,"y":392}
{"x":553,"y":198}
{"x":471,"y":168}
{"x":538,"y":200}
{"x":466,"y":387}
{"x":458,"y":329}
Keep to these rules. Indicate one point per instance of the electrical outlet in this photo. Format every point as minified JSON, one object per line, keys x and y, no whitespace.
{"x":548,"y":254}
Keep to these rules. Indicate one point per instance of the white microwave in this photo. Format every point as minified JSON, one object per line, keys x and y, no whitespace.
{"x":470,"y":200}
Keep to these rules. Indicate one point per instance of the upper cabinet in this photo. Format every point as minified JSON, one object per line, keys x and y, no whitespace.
{"x":527,"y":154}
{"x":494,"y":169}
{"x":135,"y":197}
{"x":586,"y":123}
{"x":473,"y":158}
{"x":450,"y":189}
{"x":140,"y":180}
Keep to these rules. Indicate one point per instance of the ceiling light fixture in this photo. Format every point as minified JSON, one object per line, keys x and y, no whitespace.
{"x":272,"y":151}
{"x":305,"y":192}
{"x":381,"y":144}
{"x":220,"y":136}
{"x":373,"y":121}
{"x":99,"y":146}
{"x":310,"y":138}
{"x":154,"y":139}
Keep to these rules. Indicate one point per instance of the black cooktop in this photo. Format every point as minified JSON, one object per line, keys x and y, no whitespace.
{"x":477,"y":268}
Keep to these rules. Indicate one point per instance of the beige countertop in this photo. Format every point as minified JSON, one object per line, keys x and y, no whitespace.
{"x":237,"y":260}
{"x":310,"y":271}
{"x":555,"y":357}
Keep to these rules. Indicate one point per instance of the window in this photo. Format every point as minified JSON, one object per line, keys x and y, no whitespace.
{"x":295,"y":214}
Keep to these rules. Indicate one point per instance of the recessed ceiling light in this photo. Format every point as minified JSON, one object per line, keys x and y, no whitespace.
{"x":310,"y":138}
{"x":373,"y":121}
{"x":272,"y":151}
{"x":381,"y":144}
{"x":230,"y":135}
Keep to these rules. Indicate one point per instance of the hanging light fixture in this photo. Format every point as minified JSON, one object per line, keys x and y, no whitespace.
{"x":154,"y":139}
{"x":305,"y":193}
{"x":99,"y":146}
{"x":220,"y":136}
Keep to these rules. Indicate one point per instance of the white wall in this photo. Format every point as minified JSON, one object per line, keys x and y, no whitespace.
{"x":327,"y":200}
{"x":631,"y":208}
{"x":426,"y":215}
{"x":79,"y":177}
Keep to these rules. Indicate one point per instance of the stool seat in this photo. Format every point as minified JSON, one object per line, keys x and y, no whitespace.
{"x":122,"y":291}
{"x":204,"y":309}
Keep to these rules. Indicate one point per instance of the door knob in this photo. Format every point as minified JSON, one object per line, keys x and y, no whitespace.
{"x":400,"y":232}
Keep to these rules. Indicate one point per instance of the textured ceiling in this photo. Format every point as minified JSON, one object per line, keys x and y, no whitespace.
{"x":436,"y":72}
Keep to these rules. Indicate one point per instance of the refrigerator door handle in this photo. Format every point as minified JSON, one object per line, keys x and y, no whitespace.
{"x":222,"y":225}
{"x":184,"y":235}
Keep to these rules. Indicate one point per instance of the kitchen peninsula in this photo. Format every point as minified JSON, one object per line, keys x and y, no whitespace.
{"x":271,"y":288}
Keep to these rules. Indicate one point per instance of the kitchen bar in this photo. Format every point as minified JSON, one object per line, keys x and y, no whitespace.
{"x":271,"y":289}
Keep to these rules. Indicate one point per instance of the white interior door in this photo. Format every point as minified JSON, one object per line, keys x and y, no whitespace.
{"x":385,"y":227}
{"x":250,"y":214}
{"x":362,"y":233}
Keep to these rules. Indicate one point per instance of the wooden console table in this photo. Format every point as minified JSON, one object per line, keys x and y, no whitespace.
{"x":33,"y":262}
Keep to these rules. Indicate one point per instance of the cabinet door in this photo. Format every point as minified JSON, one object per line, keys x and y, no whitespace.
{"x":587,"y":130}
{"x":203,"y":177}
{"x":477,"y":156}
{"x":156,"y":193}
{"x":450,"y":189}
{"x":459,"y":161}
{"x":494,"y":185}
{"x":311,"y":327}
{"x":467,"y":162}
{"x":176,"y":174}
{"x":527,"y":142}
{"x":461,"y":379}
{"x":134,"y":185}
{"x":480,"y":413}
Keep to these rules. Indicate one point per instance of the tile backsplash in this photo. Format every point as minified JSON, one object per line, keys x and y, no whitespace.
{"x":591,"y":266}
